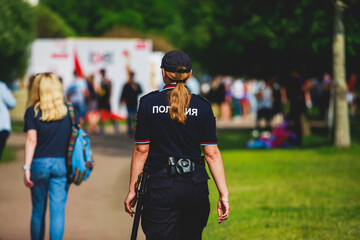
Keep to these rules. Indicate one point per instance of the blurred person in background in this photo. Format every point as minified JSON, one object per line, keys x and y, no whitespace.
{"x":245,"y":102}
{"x":252,"y":90}
{"x":237,"y":90}
{"x":76,"y":95}
{"x":104,"y":107}
{"x":325,"y":96}
{"x":315,"y":92}
{"x":216,"y":95}
{"x":295,"y":96}
{"x":352,"y":93}
{"x":226,"y":105}
{"x":129,"y":96}
{"x":307,"y":87}
{"x":265,"y":105}
{"x":91,"y":104}
{"x":48,"y":129}
{"x":205,"y":89}
{"x":277,"y":111}
{"x":7,"y":101}
{"x":193,"y":85}
{"x":29,"y":86}
{"x":357,"y":92}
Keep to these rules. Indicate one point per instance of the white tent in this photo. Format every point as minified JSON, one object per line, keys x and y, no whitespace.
{"x":114,"y":55}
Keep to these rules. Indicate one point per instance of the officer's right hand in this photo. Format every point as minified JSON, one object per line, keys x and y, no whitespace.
{"x":130,"y":202}
{"x":223,"y":210}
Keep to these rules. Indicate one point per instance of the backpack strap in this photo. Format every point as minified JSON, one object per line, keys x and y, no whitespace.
{"x":71,"y":113}
{"x":72,"y":140}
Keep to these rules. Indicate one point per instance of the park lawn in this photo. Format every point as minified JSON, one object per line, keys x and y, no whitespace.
{"x":17,"y":126}
{"x":9,"y":154}
{"x":302,"y":193}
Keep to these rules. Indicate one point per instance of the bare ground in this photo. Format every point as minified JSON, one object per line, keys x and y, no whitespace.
{"x":94,"y":209}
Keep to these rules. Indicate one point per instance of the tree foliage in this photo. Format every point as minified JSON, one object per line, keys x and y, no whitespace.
{"x":226,"y":36}
{"x":17,"y":31}
{"x":50,"y":24}
{"x":257,"y":36}
{"x":98,"y":16}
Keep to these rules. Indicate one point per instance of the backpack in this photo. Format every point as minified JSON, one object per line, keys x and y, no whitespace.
{"x":79,"y":155}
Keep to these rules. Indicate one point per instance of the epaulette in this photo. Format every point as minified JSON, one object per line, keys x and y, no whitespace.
{"x":202,"y":98}
{"x":150,"y":93}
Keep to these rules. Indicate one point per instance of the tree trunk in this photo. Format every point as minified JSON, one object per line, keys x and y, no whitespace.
{"x":342,"y":129}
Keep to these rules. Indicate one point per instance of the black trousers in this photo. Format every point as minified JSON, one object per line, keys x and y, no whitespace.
{"x":3,"y":137}
{"x":176,"y":208}
{"x":297,"y":108}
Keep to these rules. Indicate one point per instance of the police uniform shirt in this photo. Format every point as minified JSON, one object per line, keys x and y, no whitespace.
{"x":166,"y":136}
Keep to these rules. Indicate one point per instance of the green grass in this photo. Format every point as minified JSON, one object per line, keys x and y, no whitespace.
{"x":17,"y":126}
{"x":303,"y":193}
{"x":9,"y":154}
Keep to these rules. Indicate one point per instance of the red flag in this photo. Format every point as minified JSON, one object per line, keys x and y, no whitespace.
{"x":77,"y":67}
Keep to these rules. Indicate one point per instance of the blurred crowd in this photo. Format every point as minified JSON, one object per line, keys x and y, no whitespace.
{"x":237,"y":99}
{"x":91,"y":100}
{"x":276,"y":99}
{"x":286,"y":101}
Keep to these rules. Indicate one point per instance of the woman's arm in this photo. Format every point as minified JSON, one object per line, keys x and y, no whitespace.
{"x":214,"y":160}
{"x":30,"y":145}
{"x":139,"y":156}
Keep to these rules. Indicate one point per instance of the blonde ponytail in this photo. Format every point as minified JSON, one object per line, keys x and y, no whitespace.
{"x":179,"y":98}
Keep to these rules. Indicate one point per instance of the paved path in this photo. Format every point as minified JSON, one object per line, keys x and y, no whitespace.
{"x":94,"y":209}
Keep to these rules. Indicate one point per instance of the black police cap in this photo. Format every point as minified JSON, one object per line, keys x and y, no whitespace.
{"x":174,"y":59}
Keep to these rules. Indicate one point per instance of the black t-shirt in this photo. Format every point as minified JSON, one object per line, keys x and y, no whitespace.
{"x":104,"y":95}
{"x":130,"y":94}
{"x":217,"y":95}
{"x":52,"y":137}
{"x":166,"y":136}
{"x":92,"y":93}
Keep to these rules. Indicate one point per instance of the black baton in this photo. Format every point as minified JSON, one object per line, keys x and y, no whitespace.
{"x":140,"y":195}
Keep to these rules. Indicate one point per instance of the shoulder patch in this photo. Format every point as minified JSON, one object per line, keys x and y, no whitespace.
{"x":150,"y":93}
{"x":202,"y":98}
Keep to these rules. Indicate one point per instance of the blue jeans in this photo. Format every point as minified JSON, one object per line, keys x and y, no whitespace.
{"x":49,"y":177}
{"x":3,"y":137}
{"x":237,"y":106}
{"x":80,"y":108}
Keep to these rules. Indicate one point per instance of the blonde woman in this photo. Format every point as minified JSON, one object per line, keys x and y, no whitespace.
{"x":172,"y":125}
{"x":48,"y":128}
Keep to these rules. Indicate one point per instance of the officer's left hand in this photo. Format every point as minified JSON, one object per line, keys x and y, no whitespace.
{"x":130,"y":202}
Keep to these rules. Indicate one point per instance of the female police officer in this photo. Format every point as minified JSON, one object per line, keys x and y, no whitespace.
{"x":172,"y":124}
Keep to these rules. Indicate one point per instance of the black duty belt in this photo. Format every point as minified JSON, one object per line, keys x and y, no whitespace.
{"x":178,"y":166}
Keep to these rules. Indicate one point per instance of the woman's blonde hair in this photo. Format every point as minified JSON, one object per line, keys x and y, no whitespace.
{"x":179,"y":98}
{"x":47,"y":94}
